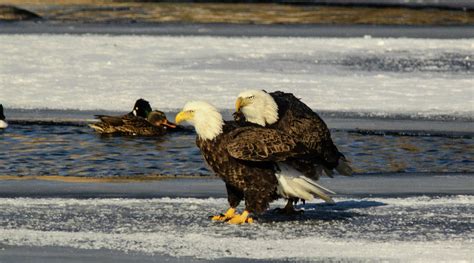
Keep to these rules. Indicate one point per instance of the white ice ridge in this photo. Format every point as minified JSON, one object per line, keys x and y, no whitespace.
{"x":205,"y":246}
{"x":373,"y":75}
{"x":423,"y":229}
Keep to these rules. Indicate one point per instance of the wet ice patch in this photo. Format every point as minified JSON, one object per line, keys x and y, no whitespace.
{"x":415,"y":228}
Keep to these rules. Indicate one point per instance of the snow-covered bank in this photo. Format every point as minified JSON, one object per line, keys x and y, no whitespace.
{"x":425,"y":77}
{"x":402,"y":229}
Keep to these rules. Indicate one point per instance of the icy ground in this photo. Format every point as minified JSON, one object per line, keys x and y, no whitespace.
{"x":404,"y":229}
{"x":421,"y":77}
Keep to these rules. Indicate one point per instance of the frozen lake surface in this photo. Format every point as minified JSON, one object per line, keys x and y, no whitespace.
{"x":390,"y":218}
{"x":419,"y":228}
{"x":374,"y":76}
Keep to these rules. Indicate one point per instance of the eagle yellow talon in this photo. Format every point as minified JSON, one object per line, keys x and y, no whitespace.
{"x":224,"y":217}
{"x":241,"y":219}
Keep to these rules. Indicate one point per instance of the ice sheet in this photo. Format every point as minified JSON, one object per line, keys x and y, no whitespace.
{"x":407,"y":229}
{"x":422,"y":77}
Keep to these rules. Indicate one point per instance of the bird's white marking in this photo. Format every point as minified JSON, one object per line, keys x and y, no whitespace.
{"x":292,"y":183}
{"x":207,"y":120}
{"x":262,"y":108}
{"x":3,"y":124}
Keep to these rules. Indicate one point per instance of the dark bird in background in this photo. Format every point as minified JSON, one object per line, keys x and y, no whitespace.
{"x":141,"y":121}
{"x":141,"y":109}
{"x":3,"y":121}
{"x":286,"y":113}
{"x":251,"y":162}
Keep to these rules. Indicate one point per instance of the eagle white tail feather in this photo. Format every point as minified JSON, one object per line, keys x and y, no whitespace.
{"x":343,"y":167}
{"x":292,"y":183}
{"x":318,"y":185}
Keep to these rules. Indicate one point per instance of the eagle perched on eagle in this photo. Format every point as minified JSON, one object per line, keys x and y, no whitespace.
{"x":258,"y":164}
{"x":284,"y":112}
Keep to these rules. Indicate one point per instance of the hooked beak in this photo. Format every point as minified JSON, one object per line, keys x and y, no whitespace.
{"x":240,"y":103}
{"x":183,"y":116}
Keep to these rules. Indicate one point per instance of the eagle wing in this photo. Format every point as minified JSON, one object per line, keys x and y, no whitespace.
{"x":260,"y":144}
{"x":307,"y":127}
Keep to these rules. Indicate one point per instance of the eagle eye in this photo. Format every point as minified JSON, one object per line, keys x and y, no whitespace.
{"x":252,"y":97}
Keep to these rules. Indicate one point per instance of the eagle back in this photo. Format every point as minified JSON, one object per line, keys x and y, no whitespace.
{"x":306,"y":126}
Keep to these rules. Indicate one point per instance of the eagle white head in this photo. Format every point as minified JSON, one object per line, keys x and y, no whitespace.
{"x":204,"y":117}
{"x":258,"y":107}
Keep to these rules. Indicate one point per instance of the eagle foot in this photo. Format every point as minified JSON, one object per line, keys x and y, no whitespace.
{"x":240,"y":219}
{"x":289,"y":209}
{"x":229,"y":214}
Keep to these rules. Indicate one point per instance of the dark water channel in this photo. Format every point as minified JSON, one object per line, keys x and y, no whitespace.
{"x":75,"y":150}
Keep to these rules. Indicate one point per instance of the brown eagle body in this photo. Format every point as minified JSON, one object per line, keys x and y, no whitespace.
{"x":244,"y":157}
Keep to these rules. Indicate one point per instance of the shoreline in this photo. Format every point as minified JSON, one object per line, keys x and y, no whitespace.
{"x":239,"y":30}
{"x":366,"y":185}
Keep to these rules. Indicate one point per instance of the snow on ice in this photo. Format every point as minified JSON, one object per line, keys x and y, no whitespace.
{"x":411,"y":228}
{"x":382,"y":76}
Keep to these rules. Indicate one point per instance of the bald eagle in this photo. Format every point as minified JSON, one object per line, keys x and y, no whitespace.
{"x":286,"y":113}
{"x":250,"y":160}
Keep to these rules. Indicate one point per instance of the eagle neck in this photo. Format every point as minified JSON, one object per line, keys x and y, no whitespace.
{"x":270,"y":110}
{"x":209,"y":125}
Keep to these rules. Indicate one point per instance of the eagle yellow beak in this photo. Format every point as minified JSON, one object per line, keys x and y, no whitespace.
{"x":240,"y":103}
{"x":184,"y":116}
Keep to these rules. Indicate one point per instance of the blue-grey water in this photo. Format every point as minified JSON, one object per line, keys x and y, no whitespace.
{"x":73,"y":149}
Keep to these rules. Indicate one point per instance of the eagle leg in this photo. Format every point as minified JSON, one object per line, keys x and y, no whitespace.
{"x":241,"y":219}
{"x":230,"y":213}
{"x":289,"y":209}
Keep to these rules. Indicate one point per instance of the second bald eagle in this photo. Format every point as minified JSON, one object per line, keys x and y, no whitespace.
{"x":286,"y":113}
